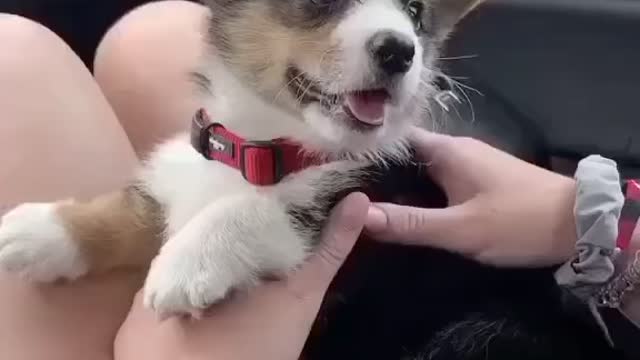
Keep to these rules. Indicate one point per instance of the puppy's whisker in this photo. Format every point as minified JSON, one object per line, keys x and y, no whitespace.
{"x":462,"y":57}
{"x":453,"y":80}
{"x":471,"y":107}
{"x":324,"y":55}
{"x":301,"y":97}
{"x":286,"y":86}
{"x":465,"y":86}
{"x":459,"y":88}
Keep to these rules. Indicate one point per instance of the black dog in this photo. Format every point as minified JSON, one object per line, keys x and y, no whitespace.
{"x":413,"y":303}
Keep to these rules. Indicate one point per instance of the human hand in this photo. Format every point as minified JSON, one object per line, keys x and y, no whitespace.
{"x":272,"y":321}
{"x":502,"y":211}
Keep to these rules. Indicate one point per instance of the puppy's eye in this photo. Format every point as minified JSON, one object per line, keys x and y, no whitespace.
{"x":415,"y":8}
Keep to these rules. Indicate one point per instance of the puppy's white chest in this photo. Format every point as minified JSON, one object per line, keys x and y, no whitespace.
{"x":184,"y":182}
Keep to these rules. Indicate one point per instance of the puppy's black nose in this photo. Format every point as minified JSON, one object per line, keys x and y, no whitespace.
{"x":392,"y":51}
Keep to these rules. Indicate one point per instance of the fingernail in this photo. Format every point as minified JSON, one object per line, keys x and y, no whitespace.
{"x":376,"y":219}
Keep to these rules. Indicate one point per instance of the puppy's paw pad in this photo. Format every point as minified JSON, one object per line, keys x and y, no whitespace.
{"x":35,"y":244}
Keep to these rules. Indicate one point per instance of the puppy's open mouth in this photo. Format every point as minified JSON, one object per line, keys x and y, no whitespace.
{"x":365,"y":107}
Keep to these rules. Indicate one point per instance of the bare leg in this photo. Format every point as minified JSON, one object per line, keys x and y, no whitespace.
{"x":58,"y":138}
{"x":143,"y":66}
{"x":119,"y":229}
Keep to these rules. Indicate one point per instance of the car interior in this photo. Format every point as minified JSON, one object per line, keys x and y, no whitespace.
{"x":550,"y":81}
{"x":555,"y":79}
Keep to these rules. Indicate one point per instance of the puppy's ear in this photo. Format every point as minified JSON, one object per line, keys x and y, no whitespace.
{"x":447,"y":13}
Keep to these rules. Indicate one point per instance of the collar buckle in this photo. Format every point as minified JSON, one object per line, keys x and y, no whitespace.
{"x":205,"y":139}
{"x":200,"y":133}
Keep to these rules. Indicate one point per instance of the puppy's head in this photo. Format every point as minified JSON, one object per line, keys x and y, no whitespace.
{"x":357,"y":73}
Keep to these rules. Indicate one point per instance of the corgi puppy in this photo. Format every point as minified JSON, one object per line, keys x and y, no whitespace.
{"x":340,"y":82}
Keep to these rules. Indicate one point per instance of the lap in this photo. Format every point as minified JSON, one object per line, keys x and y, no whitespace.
{"x":64,"y":135}
{"x":59,"y":138}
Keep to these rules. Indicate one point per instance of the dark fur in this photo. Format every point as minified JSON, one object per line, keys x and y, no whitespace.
{"x":312,"y":218}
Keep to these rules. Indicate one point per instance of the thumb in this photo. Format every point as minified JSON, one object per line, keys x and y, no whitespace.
{"x":338,"y":238}
{"x":441,"y":228}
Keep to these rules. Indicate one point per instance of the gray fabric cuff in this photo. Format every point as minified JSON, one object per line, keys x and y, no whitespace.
{"x":599,"y":202}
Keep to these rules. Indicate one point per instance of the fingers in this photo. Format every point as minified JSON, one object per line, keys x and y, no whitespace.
{"x":441,"y":228}
{"x":339,"y":236}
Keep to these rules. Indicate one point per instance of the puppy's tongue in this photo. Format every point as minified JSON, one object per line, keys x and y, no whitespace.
{"x":368,"y":106}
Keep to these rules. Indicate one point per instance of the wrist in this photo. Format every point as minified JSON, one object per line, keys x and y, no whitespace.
{"x":565,"y":235}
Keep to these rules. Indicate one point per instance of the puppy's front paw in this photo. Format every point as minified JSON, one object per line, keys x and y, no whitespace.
{"x":186,"y":279}
{"x":227,"y":246}
{"x":35,"y":245}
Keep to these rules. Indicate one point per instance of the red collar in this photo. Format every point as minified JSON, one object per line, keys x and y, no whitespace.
{"x":260,"y":162}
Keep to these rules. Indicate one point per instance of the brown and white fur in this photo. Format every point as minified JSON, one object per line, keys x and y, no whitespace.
{"x":206,"y":229}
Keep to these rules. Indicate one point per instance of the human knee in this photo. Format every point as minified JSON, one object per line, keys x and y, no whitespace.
{"x":143,"y":67}
{"x":147,"y":40}
{"x":27,"y":46}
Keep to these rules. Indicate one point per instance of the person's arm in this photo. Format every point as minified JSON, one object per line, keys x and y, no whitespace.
{"x":605,"y":267}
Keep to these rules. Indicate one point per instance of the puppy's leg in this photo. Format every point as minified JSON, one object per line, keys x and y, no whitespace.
{"x":236,"y":240}
{"x":228,"y":245}
{"x":50,"y":241}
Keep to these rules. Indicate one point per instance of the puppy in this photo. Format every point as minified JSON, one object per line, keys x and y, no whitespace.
{"x":334,"y":84}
